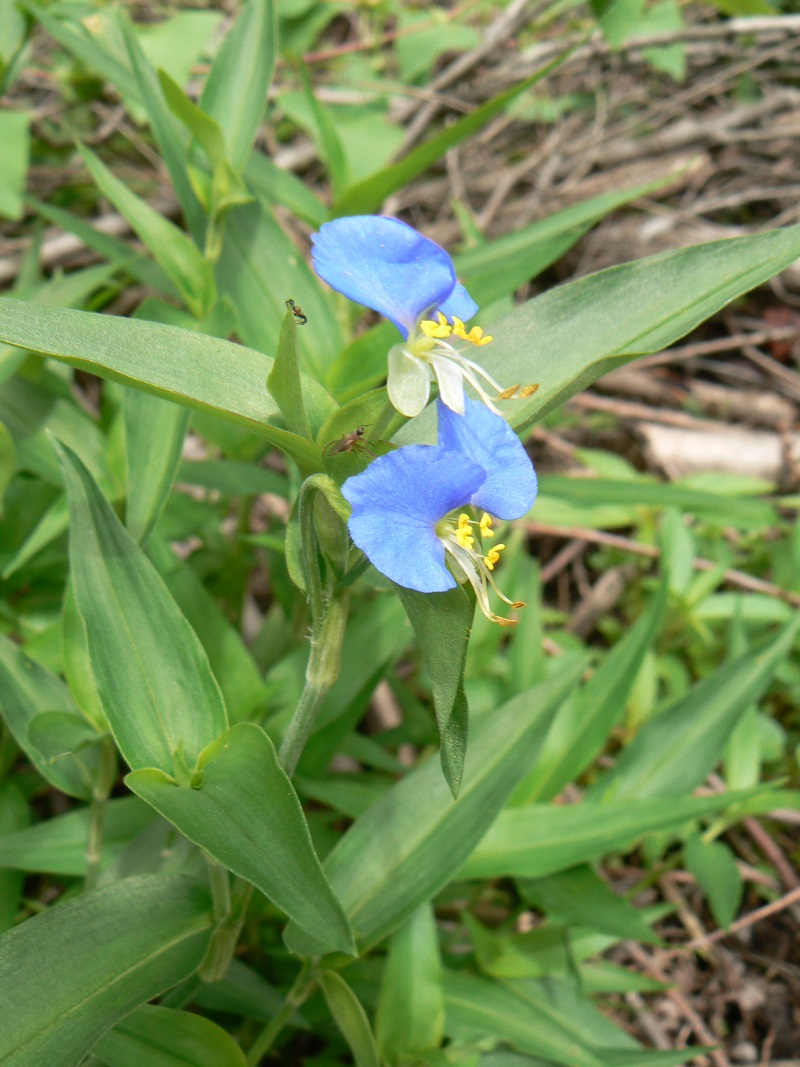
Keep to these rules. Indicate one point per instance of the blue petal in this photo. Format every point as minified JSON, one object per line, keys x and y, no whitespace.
{"x":396,"y":504}
{"x":510,"y":487}
{"x":384,"y":264}
{"x":459,"y":303}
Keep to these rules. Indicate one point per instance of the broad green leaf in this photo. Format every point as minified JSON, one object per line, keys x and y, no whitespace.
{"x":410,"y":1015}
{"x":368,"y":195}
{"x":541,"y":839}
{"x":580,"y":897}
{"x":582,"y":725}
{"x":231,"y":661}
{"x":442,"y":624}
{"x":153,"y":676}
{"x":241,"y":808}
{"x":15,"y":139}
{"x":328,"y":141}
{"x":77,"y":666}
{"x":405,"y":848}
{"x":166,"y":131}
{"x":350,"y":1017}
{"x":162,"y":1037}
{"x":604,"y":320}
{"x":714,"y":866}
{"x":477,"y":1005}
{"x":14,"y":816}
{"x":69,"y":974}
{"x":232,"y":477}
{"x":154,"y":435}
{"x":278,"y":186}
{"x":58,"y":735}
{"x":189,"y":368}
{"x":58,"y":845}
{"x":284,"y":382}
{"x":26,"y":690}
{"x":235,"y":92}
{"x":179,"y":257}
{"x":674,"y":752}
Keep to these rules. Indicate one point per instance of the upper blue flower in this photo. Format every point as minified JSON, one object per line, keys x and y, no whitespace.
{"x":389,"y":267}
{"x":386,"y":265}
{"x":407,"y":506}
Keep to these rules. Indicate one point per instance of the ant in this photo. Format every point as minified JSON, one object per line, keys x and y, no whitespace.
{"x":351,"y":442}
{"x":299,"y":317}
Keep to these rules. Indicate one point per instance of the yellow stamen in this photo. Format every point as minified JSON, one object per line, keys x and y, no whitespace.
{"x":464,"y":534}
{"x":486,"y":525}
{"x":475,"y":335}
{"x":493,"y":557}
{"x":528,"y":390}
{"x":440,"y":328}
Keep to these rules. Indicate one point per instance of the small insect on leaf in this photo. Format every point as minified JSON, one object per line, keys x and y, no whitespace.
{"x":351,"y":442}
{"x":299,"y":317}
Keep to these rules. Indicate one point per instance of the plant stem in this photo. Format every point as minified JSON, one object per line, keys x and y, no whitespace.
{"x":230,"y":909}
{"x":300,"y":991}
{"x":101,"y":789}
{"x":322,"y":671}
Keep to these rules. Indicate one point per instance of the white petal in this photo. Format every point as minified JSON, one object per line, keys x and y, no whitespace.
{"x":409,"y":384}
{"x":451,"y":384}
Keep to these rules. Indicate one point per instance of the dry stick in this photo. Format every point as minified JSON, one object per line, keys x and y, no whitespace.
{"x":651,"y":968}
{"x":754,"y":917}
{"x":722,"y":344}
{"x":626,"y":544}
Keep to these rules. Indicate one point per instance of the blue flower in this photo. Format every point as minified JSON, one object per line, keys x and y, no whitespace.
{"x":408,"y":507}
{"x":386,"y":265}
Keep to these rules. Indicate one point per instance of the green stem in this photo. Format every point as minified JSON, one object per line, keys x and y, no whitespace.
{"x":230,"y":910}
{"x":101,"y":789}
{"x":323,"y":669}
{"x":300,"y":991}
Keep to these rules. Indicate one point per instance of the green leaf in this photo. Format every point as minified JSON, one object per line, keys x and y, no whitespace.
{"x":179,"y":257}
{"x":165,"y":129}
{"x":235,"y":92}
{"x":243,"y":810}
{"x":153,"y":677}
{"x":328,"y":140}
{"x":714,"y":866}
{"x":161,"y":1037}
{"x":202,"y":127}
{"x":350,"y":1017}
{"x":580,"y":897}
{"x":405,"y":848}
{"x":541,"y":839}
{"x":58,"y":845}
{"x":273,"y":184}
{"x":77,"y":666}
{"x":14,"y":816}
{"x":69,"y":974}
{"x":59,"y":735}
{"x":674,"y":752}
{"x":442,"y":624}
{"x":189,"y":368}
{"x":15,"y":139}
{"x":368,"y":195}
{"x":284,"y":382}
{"x":489,"y":1008}
{"x":410,"y":1015}
{"x":604,"y":320}
{"x":582,"y":725}
{"x":26,"y":690}
{"x":8,"y":461}
{"x":154,"y":433}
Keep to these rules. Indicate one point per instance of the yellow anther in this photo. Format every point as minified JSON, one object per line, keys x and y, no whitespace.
{"x":507,"y":394}
{"x":486,"y":525}
{"x":440,"y":328}
{"x":464,"y":535}
{"x":528,"y":390}
{"x":475,"y":335}
{"x":493,"y":557}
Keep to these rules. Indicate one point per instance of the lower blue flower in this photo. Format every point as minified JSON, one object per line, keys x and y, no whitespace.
{"x":408,"y":507}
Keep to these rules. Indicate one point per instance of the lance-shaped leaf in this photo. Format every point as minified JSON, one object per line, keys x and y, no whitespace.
{"x":405,"y":847}
{"x":190,"y":368}
{"x":347,"y":1010}
{"x":152,"y":673}
{"x":163,"y":1037}
{"x":68,"y":975}
{"x":243,"y":810}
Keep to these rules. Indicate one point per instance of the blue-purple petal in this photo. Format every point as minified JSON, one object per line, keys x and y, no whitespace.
{"x":510,"y":486}
{"x":459,"y":303}
{"x":396,"y":504}
{"x":384,"y":264}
